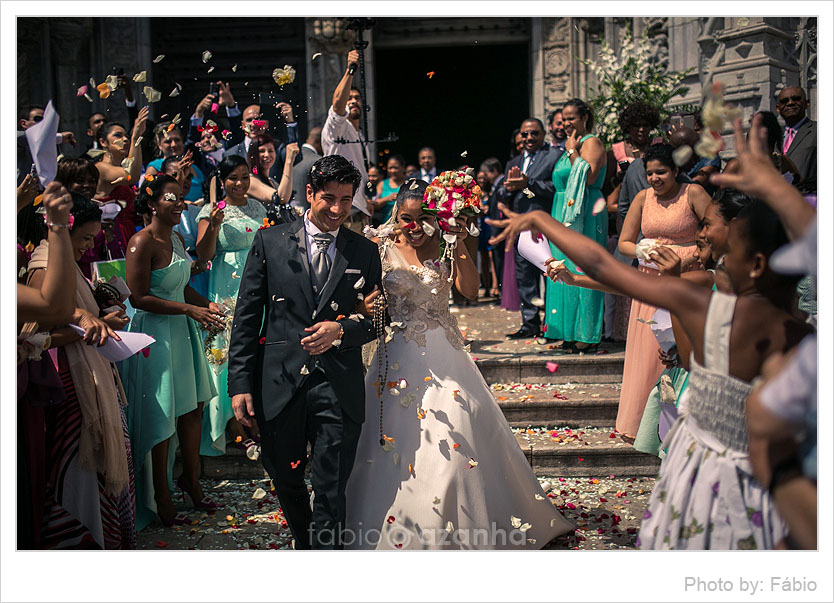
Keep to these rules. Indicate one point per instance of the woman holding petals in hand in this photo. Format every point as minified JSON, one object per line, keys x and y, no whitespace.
{"x":667,"y":214}
{"x":226,"y":228}
{"x":168,"y":382}
{"x":437,"y":466}
{"x":275,"y":196}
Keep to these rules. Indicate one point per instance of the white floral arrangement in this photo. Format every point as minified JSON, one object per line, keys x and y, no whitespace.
{"x":628,"y":76}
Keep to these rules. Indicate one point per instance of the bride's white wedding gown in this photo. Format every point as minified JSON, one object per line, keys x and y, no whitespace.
{"x":454,"y":476}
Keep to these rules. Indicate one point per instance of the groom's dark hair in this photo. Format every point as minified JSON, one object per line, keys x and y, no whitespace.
{"x":333,"y":168}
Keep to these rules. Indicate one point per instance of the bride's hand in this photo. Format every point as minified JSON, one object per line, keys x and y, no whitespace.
{"x":460,"y":228}
{"x":366,"y":306}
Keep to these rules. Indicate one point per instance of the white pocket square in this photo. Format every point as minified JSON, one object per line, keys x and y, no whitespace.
{"x":352,"y":271}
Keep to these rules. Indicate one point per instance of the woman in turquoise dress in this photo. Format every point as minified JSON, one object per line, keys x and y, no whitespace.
{"x":387,"y":190}
{"x":226,"y":228}
{"x":574,"y":314}
{"x":168,"y":382}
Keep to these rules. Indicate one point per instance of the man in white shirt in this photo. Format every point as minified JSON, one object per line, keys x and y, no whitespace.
{"x":427,"y":161}
{"x":343,"y":123}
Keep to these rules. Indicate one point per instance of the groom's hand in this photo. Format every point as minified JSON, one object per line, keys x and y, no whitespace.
{"x":244,"y":407}
{"x":321,"y":337}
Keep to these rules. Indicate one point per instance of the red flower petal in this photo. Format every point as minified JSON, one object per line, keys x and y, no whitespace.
{"x":390,"y":519}
{"x":161,"y":544}
{"x":262,"y":340}
{"x":580,"y":458}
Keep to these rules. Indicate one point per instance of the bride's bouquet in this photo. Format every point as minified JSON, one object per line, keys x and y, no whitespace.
{"x":449,"y":196}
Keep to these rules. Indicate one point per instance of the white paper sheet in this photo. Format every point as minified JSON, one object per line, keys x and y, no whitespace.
{"x":535,"y":252}
{"x":662,"y":329}
{"x":116,"y":351}
{"x":41,"y":139}
{"x":109,"y":211}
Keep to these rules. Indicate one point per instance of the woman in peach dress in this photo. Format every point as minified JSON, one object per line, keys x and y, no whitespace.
{"x":668,"y":213}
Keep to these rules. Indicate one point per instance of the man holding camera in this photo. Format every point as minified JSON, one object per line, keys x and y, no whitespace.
{"x":343,"y":124}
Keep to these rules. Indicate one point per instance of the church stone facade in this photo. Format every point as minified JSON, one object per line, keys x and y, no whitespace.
{"x":754,"y":56}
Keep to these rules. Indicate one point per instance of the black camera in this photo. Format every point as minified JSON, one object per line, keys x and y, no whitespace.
{"x":214,"y":90}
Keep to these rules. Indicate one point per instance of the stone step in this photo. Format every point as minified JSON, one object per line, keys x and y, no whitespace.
{"x":587,"y":405}
{"x":588,"y":452}
{"x":532,"y":368}
{"x":584,"y":453}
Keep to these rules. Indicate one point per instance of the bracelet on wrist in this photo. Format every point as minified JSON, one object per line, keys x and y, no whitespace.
{"x":53,"y":224}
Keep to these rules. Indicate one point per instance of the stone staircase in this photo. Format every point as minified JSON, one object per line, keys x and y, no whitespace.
{"x":565,"y":419}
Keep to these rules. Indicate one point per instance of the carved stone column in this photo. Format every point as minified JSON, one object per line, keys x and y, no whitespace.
{"x":557,"y":61}
{"x":753,"y":57}
{"x":327,"y":38}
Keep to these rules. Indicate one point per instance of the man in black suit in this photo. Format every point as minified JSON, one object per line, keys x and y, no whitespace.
{"x":254,"y":124}
{"x":495,"y":174}
{"x":295,"y":362}
{"x":301,"y":169}
{"x":800,"y":137}
{"x":428,"y":164}
{"x":528,"y":186}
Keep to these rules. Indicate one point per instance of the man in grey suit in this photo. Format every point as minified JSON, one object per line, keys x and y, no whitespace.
{"x":311,"y":149}
{"x":527,"y":186}
{"x":800,"y":137}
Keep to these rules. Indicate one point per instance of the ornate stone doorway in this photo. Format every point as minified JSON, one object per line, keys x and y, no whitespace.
{"x":474,"y":100}
{"x":479,"y":93}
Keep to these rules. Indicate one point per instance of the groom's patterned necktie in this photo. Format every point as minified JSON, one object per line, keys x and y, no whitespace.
{"x":321,"y":261}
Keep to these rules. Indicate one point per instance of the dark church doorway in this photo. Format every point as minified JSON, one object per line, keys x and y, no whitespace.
{"x":477,"y":96}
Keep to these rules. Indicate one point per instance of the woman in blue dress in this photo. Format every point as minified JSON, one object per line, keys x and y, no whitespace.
{"x":168,"y":382}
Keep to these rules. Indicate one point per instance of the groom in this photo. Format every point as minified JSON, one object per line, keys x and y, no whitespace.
{"x":295,"y":355}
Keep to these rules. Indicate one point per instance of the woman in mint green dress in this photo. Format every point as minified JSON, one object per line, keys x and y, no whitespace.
{"x":574,"y":314}
{"x":226,"y":228}
{"x":168,"y":382}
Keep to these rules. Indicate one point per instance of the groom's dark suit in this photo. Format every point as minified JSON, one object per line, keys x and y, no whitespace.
{"x":326,"y":407}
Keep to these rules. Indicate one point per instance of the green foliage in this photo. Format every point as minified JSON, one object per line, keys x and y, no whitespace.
{"x":629,"y":76}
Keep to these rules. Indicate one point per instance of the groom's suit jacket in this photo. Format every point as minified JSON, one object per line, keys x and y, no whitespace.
{"x":276,"y":303}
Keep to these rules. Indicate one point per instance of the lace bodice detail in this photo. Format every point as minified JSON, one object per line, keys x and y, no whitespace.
{"x":418,"y":297}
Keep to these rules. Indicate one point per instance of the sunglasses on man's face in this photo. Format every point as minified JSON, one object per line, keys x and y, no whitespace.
{"x":37,"y":118}
{"x":532,"y":134}
{"x":785,"y":100}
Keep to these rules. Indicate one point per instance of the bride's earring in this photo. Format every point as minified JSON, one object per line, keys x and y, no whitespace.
{"x":752,"y":274}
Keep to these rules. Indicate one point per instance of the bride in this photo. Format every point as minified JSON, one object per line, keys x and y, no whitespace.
{"x":437,"y":466}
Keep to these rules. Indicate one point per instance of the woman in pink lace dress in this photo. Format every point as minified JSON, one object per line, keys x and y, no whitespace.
{"x":668,"y":212}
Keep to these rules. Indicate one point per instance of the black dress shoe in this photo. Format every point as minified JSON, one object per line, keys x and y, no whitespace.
{"x":522,"y":334}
